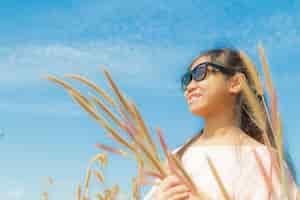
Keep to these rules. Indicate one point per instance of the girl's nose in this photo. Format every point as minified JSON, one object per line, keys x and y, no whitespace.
{"x":190,"y":87}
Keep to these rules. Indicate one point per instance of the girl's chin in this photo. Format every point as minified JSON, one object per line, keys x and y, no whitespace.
{"x":196,"y":105}
{"x":197,"y":109}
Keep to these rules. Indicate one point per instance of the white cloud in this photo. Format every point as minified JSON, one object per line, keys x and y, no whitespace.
{"x":132,"y":64}
{"x":27,"y":64}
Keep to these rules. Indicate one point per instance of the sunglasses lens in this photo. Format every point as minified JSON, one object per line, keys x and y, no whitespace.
{"x":185,"y":80}
{"x":199,"y":73}
{"x":196,"y":74}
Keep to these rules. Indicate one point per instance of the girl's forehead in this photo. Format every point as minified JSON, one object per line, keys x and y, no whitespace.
{"x":199,"y":60}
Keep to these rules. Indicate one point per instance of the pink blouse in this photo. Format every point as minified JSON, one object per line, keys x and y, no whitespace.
{"x":239,"y":170}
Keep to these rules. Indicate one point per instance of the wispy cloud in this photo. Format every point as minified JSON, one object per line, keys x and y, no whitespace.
{"x":28,"y":64}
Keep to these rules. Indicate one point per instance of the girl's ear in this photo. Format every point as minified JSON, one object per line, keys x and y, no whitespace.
{"x":235,"y":83}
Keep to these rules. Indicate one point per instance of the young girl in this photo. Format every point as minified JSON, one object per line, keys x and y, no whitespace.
{"x":213,"y":90}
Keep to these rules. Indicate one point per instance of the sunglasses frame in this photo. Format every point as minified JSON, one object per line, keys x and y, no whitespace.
{"x":191,"y":75}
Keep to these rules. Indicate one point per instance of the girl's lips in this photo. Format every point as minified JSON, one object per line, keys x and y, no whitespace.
{"x":194,"y":96}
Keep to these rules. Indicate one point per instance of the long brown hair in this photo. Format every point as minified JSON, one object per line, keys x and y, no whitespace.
{"x":232,"y":58}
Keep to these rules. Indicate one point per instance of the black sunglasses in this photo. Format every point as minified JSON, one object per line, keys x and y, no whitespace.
{"x":200,"y":71}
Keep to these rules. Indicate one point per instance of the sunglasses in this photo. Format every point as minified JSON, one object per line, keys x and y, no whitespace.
{"x":200,"y":71}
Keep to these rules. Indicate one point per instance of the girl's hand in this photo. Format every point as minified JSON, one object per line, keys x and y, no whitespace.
{"x":192,"y":197}
{"x":171,"y":188}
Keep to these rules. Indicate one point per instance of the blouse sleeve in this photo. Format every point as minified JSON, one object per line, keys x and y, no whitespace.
{"x":254,"y":184}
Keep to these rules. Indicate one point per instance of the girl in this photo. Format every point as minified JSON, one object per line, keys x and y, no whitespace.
{"x":213,"y":90}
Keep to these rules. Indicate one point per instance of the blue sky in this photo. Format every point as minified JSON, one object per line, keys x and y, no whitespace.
{"x":146,"y":46}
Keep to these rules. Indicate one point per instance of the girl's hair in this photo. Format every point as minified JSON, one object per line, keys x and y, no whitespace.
{"x":232,"y":58}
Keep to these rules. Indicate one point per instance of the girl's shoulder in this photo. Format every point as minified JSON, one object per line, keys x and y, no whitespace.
{"x":248,"y":155}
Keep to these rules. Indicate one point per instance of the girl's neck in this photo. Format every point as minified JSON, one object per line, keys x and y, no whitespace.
{"x":222,"y":127}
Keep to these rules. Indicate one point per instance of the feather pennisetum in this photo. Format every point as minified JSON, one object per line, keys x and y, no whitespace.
{"x":68,"y":87}
{"x":153,"y":174}
{"x":142,"y":179}
{"x":173,"y":169}
{"x":162,"y":141}
{"x":165,"y":148}
{"x":99,"y":196}
{"x":218,"y":179}
{"x":265,"y":67}
{"x":252,"y":73}
{"x":145,"y":182}
{"x":150,"y":158}
{"x":135,"y":189}
{"x":184,"y":176}
{"x":60,"y":82}
{"x":99,"y":90}
{"x":141,"y":165}
{"x":263,"y":171}
{"x":275,"y":117}
{"x":271,"y":91}
{"x":143,"y":174}
{"x":78,"y":193}
{"x":256,"y":111}
{"x":106,"y":110}
{"x":283,"y":174}
{"x":142,"y":126}
{"x":130,"y":128}
{"x":254,"y":77}
{"x":254,"y":105}
{"x":101,"y":157}
{"x":150,"y":155}
{"x":137,"y":136}
{"x":99,"y":176}
{"x":88,"y":108}
{"x":112,"y":149}
{"x":275,"y":160}
{"x":85,"y":197}
{"x":143,"y":162}
{"x":114,"y":191}
{"x":258,"y":86}
{"x":118,"y":93}
{"x":45,"y":196}
{"x":87,"y":181}
{"x":107,"y":194}
{"x":116,"y":137}
{"x":140,"y":158}
{"x":102,"y":122}
{"x":270,"y":88}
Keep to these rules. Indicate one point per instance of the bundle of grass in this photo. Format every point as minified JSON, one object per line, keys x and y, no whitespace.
{"x":267,"y":118}
{"x":108,"y":193}
{"x":128,"y":119}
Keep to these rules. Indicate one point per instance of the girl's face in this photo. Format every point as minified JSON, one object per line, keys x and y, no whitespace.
{"x":209,"y":96}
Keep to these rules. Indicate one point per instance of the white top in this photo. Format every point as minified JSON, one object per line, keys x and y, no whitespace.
{"x":239,"y":171}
